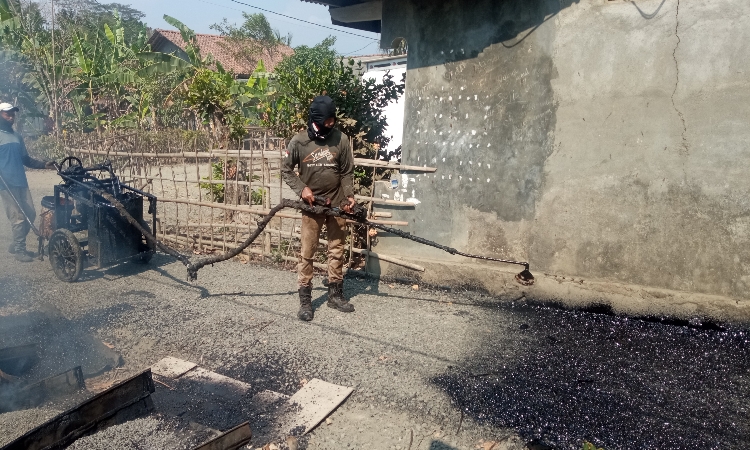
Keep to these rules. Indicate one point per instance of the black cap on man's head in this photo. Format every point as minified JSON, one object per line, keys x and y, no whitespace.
{"x":321,"y":109}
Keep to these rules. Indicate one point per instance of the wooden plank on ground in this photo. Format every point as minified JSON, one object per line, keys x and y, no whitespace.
{"x":231,"y":440}
{"x":172,"y":367}
{"x":217,"y":384}
{"x":312,"y":404}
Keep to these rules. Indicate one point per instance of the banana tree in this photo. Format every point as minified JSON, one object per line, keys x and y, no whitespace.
{"x":27,"y":44}
{"x":115,"y":75}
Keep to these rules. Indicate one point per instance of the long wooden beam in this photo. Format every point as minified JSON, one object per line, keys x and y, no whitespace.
{"x":383,"y":201}
{"x":271,"y":155}
{"x":390,"y":259}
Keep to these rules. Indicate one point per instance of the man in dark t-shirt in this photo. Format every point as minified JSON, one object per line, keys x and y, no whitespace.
{"x":14,"y":188}
{"x":325,"y":160}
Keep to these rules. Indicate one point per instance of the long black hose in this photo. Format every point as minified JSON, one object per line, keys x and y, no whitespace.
{"x":358,"y":214}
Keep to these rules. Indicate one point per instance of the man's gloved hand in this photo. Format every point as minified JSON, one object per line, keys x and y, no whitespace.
{"x":348,"y":204}
{"x":307,"y":195}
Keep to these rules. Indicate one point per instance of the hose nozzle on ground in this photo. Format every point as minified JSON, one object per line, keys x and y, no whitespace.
{"x":525,"y":278}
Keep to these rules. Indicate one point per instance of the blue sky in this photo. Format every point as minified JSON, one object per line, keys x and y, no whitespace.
{"x":201,"y":14}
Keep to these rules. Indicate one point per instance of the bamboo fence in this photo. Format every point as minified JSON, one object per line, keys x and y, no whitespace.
{"x":209,"y":199}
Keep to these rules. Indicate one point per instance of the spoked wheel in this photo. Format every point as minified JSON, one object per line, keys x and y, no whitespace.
{"x":65,"y":255}
{"x":69,"y":162}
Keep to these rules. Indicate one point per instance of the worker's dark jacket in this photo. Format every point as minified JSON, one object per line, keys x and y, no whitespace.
{"x":13,"y":156}
{"x":325,"y":166}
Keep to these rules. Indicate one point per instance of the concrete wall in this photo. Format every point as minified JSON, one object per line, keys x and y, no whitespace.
{"x":601,"y":139}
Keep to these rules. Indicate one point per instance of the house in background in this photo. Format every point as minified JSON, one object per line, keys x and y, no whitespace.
{"x":380,"y":62}
{"x":170,"y":41}
{"x":376,"y":67}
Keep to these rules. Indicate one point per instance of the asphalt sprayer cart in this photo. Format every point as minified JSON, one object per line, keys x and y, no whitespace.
{"x":84,"y":228}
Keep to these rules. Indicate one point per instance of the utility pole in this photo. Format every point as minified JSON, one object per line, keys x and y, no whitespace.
{"x":54,"y":73}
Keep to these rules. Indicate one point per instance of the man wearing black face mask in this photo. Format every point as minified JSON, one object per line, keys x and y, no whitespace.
{"x":13,"y":157}
{"x":326,"y":163}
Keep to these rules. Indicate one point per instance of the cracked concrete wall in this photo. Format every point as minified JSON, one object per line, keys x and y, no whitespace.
{"x":598,"y":139}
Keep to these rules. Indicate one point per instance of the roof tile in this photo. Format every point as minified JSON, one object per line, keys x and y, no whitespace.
{"x":213,"y":44}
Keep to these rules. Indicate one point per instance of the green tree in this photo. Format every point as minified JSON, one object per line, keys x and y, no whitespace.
{"x":89,"y":16}
{"x":113,"y":78}
{"x":88,"y":64}
{"x":254,"y":40}
{"x":318,"y":70}
{"x":221,"y":103}
{"x":26,"y":44}
{"x":13,"y":89}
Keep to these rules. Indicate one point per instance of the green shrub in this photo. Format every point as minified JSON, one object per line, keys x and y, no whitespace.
{"x":215,"y":190}
{"x":278,"y":253}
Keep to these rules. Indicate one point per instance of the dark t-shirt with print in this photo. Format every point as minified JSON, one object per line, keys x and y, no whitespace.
{"x":325,"y":166}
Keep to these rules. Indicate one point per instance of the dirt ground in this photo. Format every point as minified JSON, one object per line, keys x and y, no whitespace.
{"x":240,"y":320}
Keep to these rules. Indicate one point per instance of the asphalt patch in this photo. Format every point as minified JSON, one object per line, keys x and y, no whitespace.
{"x":616,"y":382}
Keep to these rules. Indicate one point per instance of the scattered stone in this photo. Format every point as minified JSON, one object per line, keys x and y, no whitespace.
{"x":14,"y":424}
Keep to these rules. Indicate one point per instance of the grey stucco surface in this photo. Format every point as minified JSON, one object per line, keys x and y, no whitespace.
{"x":599,"y":139}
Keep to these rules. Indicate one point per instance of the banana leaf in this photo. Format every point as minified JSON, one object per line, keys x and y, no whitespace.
{"x":163,"y":64}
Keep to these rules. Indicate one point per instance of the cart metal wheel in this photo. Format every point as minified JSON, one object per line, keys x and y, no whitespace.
{"x":65,"y":255}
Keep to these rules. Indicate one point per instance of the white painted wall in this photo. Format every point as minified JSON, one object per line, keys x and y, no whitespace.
{"x":394,"y":112}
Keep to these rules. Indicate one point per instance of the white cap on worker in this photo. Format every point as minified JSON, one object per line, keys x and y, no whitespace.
{"x":7,"y":107}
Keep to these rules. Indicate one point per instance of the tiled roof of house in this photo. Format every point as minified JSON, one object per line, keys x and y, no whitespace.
{"x":213,"y":44}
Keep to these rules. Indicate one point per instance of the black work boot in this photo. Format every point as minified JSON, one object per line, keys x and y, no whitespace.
{"x":336,"y":298}
{"x":305,"y":304}
{"x":21,"y":254}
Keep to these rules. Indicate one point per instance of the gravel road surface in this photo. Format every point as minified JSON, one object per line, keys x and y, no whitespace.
{"x":240,"y":320}
{"x":430,"y":369}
